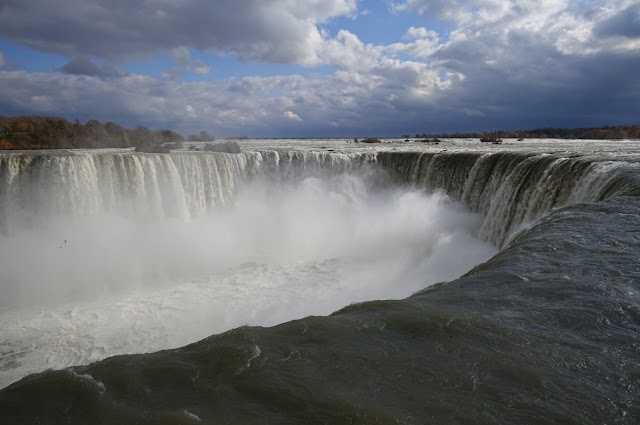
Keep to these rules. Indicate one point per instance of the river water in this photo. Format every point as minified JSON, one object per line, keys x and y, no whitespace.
{"x":320,"y":261}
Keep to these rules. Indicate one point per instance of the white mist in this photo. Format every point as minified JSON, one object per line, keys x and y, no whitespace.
{"x":80,"y":289}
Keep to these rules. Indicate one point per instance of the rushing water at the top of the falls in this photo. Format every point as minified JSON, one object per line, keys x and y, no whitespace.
{"x":620,"y":149}
{"x":511,"y":185}
{"x":615,"y":149}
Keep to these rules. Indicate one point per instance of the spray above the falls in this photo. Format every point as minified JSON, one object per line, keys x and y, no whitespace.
{"x":110,"y":222}
{"x":115,"y":200}
{"x":281,"y":239}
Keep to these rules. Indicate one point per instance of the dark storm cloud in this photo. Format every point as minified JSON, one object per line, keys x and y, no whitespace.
{"x":279,"y":31}
{"x":504,"y":64}
{"x":625,"y":23}
{"x":528,"y":64}
{"x":560,"y":92}
{"x":84,"y":66}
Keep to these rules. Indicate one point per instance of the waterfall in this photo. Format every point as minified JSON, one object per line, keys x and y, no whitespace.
{"x":106,"y":253}
{"x":509,"y":189}
{"x":36,"y":187}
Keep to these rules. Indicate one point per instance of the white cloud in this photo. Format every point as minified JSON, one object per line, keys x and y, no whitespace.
{"x":347,"y":51}
{"x":182,"y":57}
{"x":421,"y":49}
{"x":570,"y":27}
{"x":275,"y":31}
{"x":292,"y":116}
{"x":392,"y":97}
{"x":200,"y":67}
{"x":251,"y":105}
{"x":421,"y":32}
{"x":171,"y":75}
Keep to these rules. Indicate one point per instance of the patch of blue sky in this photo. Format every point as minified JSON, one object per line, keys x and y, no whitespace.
{"x":228,"y":66}
{"x":24,"y":58}
{"x":378,"y":25}
{"x":221,"y":67}
{"x":154,"y":67}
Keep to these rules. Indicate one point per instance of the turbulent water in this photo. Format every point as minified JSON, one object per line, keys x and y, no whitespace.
{"x":112,"y":252}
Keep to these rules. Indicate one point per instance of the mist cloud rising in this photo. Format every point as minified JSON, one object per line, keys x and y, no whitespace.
{"x":110,"y":283}
{"x":314,"y":221}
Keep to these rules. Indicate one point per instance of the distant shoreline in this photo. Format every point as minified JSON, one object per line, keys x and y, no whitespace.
{"x":45,"y":132}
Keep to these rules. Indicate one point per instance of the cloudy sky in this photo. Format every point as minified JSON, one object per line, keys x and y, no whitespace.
{"x":287,"y":68}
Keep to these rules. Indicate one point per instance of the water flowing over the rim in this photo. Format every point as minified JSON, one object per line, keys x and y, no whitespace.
{"x":512,"y":189}
{"x":509,"y":189}
{"x":190,"y":244}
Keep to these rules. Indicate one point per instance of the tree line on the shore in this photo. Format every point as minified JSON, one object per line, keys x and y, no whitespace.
{"x":598,"y":133}
{"x":40,"y":132}
{"x":37,"y":132}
